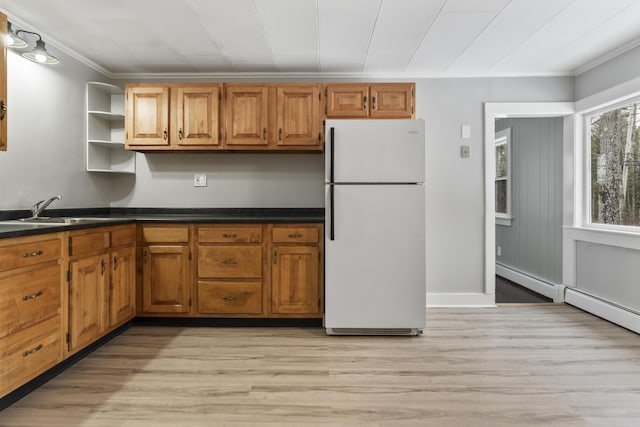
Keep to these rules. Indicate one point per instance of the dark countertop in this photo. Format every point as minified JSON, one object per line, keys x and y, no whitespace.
{"x":118,"y":216}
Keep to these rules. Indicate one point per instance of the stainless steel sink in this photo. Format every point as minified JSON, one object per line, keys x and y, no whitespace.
{"x":62,"y":220}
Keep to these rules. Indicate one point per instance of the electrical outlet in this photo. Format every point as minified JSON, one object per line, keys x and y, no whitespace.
{"x":499,"y":250}
{"x":199,"y":180}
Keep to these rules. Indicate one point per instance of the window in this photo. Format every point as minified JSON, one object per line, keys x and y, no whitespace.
{"x":503,"y":177}
{"x":615,"y":165}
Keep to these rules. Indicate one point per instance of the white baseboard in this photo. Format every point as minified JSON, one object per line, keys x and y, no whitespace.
{"x":601,"y":308}
{"x":554,"y":291}
{"x":461,"y":300}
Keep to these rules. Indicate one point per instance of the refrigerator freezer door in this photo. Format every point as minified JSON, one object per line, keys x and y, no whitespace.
{"x":375,"y":151}
{"x":375,"y":264}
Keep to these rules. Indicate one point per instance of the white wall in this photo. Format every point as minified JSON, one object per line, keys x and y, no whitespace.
{"x":46,"y":133}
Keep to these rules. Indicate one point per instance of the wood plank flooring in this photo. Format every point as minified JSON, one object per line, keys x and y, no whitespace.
{"x":509,"y":366}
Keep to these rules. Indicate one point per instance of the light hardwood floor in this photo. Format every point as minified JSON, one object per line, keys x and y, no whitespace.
{"x":543,"y":365}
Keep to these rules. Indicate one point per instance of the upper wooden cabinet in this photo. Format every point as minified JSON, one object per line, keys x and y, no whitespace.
{"x":171,"y":117}
{"x":247,"y":116}
{"x":3,"y":82}
{"x":273,"y":117}
{"x":253,"y":116}
{"x":375,"y":100}
{"x":147,"y":116}
{"x":298,"y":116}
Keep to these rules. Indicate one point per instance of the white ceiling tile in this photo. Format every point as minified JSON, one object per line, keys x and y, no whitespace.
{"x":236,"y":31}
{"x":565,"y":28}
{"x":291,"y":28}
{"x":521,"y":19}
{"x":473,"y":6}
{"x":448,"y":37}
{"x":398,"y":33}
{"x":466,"y":37}
{"x":345,"y":28}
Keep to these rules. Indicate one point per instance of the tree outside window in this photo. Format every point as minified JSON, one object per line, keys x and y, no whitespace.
{"x":615,"y":165}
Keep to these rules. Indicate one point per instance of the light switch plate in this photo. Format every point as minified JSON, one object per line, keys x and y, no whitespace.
{"x":465,"y":151}
{"x":466,"y":132}
{"x":200,"y":180}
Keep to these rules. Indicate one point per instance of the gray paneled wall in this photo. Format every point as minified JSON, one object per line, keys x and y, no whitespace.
{"x":533,"y":243}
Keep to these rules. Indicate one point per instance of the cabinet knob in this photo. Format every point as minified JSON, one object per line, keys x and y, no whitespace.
{"x":364,"y":103}
{"x":3,"y":110}
{"x":115,"y":263}
{"x":264,"y":133}
{"x":31,"y":254}
{"x":32,"y":296}
{"x":165,"y":135}
{"x":373,"y":102}
{"x":103,"y":266}
{"x":180,"y":134}
{"x":280,"y":134}
{"x":33,"y":350}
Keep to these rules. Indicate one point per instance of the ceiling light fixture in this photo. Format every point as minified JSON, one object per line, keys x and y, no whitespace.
{"x":39,"y":53}
{"x":13,"y":41}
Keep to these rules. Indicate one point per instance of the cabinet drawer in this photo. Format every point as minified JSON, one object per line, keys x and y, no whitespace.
{"x":295,"y":235}
{"x":29,"y":297}
{"x":25,"y":254}
{"x":123,"y":236}
{"x":229,"y":235}
{"x":165,"y":234}
{"x":29,"y":352}
{"x":225,"y":262}
{"x":230,"y":297}
{"x":86,"y":243}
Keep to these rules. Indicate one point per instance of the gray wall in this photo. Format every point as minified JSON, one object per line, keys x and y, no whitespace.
{"x":455,"y":186}
{"x":621,"y":69}
{"x":533,"y":243}
{"x":233,"y":180}
{"x":609,"y":272}
{"x":46,"y":134}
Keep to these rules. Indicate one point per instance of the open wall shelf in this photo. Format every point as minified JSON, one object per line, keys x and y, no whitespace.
{"x":105,"y":130}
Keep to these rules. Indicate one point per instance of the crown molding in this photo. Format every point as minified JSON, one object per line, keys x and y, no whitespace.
{"x":608,"y":57}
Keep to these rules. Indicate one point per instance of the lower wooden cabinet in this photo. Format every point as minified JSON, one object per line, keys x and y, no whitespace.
{"x":296,"y":273}
{"x":166,"y":270}
{"x":29,"y":353}
{"x":30,"y":308}
{"x":122,"y":296}
{"x":88,"y":302}
{"x":101,"y":282}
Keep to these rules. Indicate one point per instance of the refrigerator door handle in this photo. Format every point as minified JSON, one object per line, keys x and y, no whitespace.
{"x":332,"y":230}
{"x":332,"y":158}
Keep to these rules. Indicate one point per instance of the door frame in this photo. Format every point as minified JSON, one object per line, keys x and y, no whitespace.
{"x":498,"y":110}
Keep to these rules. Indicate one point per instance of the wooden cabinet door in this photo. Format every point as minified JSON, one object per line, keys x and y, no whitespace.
{"x":392,"y":100}
{"x":165,"y":279}
{"x":294,"y":280}
{"x":87,"y":300}
{"x":298,"y":116}
{"x":3,"y":82}
{"x":197,"y":116}
{"x":346,"y":100}
{"x":122,"y":295}
{"x":246,"y":116}
{"x":147,"y":115}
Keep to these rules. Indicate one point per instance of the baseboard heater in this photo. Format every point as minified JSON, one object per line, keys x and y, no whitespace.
{"x":374,"y":331}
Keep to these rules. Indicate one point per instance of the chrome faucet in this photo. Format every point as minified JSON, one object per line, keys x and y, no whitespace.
{"x":39,"y":207}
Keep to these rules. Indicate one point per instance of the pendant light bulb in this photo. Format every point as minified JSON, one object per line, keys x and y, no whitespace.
{"x":12,"y":39}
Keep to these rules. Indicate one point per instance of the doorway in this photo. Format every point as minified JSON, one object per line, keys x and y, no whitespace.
{"x":501,"y":214}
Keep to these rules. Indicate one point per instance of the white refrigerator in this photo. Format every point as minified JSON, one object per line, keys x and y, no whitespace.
{"x":375,"y":227}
